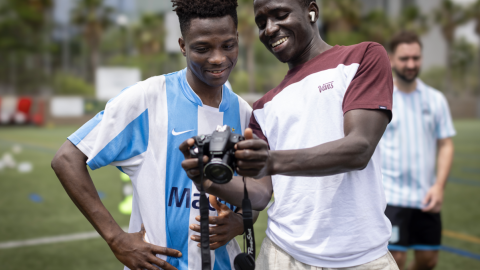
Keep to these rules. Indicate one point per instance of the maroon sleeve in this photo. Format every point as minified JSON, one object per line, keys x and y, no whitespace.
{"x":372,"y":86}
{"x":257,"y":130}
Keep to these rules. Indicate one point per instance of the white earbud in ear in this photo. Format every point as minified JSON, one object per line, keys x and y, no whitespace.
{"x":312,"y":16}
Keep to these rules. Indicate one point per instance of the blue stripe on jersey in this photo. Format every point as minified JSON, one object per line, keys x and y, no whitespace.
{"x":222,"y":261}
{"x":227,"y":100}
{"x":82,"y":132}
{"x":231,"y":117}
{"x":182,"y":116}
{"x":132,"y":141}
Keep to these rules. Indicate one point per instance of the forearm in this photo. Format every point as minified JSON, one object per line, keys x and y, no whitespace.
{"x":259,"y":191}
{"x":444,"y":161}
{"x":74,"y":177}
{"x":344,"y":155}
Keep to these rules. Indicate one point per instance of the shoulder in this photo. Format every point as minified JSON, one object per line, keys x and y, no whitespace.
{"x":137,"y":95}
{"x":431,"y":92}
{"x":259,"y":104}
{"x":358,"y":52}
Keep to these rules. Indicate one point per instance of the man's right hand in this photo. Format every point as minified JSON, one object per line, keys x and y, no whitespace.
{"x":253,"y":156}
{"x":132,"y":250}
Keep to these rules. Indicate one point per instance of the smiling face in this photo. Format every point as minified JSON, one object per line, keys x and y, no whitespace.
{"x":406,"y":61}
{"x":284,"y":27}
{"x":211,"y":48}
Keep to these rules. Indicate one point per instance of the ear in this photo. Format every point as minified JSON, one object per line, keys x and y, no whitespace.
{"x":390,"y":56}
{"x":313,"y":12}
{"x":237,"y":37}
{"x":181,"y":42}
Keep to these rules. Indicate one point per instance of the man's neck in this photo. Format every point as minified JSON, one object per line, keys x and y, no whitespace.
{"x":314,"y":48}
{"x":209,"y":95}
{"x":404,"y":86}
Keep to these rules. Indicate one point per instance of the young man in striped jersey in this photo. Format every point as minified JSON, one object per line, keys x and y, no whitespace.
{"x":420,"y":131}
{"x":319,"y":132}
{"x":140,"y":132}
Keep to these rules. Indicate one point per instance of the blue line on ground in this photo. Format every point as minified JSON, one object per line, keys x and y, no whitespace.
{"x":35,"y":198}
{"x":471,"y":170}
{"x":101,"y":194}
{"x":31,"y":146}
{"x":460,"y":252}
{"x":466,"y":156}
{"x":464,"y":181}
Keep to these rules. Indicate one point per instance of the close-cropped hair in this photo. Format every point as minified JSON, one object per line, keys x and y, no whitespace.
{"x":192,"y":9}
{"x":404,"y":37}
{"x":307,"y":2}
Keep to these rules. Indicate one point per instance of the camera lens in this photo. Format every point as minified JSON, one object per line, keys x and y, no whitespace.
{"x":218,"y":172}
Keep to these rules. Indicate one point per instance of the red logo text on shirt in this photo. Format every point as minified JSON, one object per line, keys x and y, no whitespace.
{"x":325,"y":86}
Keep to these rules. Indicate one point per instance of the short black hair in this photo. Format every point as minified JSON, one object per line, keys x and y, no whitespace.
{"x":404,"y":37}
{"x":307,"y":2}
{"x":191,"y":9}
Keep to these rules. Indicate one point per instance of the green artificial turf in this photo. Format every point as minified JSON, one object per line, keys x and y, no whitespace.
{"x":22,"y":218}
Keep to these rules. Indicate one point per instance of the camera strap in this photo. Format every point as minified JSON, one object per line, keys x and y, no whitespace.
{"x":248,"y":236}
{"x":204,"y":211}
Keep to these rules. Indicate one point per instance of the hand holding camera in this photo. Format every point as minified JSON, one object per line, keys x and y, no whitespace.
{"x":250,"y":157}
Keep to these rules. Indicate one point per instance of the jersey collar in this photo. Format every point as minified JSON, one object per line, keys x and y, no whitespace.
{"x":420,"y":86}
{"x":194,"y":98}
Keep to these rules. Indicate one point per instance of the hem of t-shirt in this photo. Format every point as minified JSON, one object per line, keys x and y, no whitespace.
{"x":75,"y":140}
{"x":416,"y":206}
{"x":369,"y":256}
{"x":369,"y":107}
{"x":450,"y":135}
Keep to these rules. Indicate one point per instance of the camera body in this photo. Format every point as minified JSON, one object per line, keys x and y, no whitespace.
{"x":219,"y":147}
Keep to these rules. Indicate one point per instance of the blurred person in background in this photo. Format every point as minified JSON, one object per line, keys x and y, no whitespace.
{"x":418,"y":135}
{"x":140,"y":131}
{"x":317,"y":149}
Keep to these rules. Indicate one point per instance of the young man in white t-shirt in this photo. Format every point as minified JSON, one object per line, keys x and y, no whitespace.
{"x":318,"y":131}
{"x":140,"y":131}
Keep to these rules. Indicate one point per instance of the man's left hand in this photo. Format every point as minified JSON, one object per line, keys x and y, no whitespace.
{"x":228,"y":225}
{"x":433,"y":200}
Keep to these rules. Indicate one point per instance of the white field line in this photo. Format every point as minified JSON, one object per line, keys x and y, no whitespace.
{"x":50,"y":240}
{"x":59,"y":238}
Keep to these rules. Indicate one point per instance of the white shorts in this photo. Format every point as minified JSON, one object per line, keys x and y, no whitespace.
{"x":272,"y":257}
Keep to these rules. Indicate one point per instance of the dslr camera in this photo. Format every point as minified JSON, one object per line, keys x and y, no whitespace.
{"x":219,"y":147}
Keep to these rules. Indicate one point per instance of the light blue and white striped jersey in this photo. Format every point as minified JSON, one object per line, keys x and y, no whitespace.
{"x":409,"y":145}
{"x":140,"y":131}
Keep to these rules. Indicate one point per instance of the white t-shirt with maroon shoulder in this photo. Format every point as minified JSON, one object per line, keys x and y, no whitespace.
{"x":333,"y":221}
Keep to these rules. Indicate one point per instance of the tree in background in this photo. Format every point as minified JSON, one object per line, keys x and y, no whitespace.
{"x":93,"y":19}
{"x":150,"y":34}
{"x":449,"y":16}
{"x":247,"y":30}
{"x":376,"y":26}
{"x":463,"y":59}
{"x":24,"y":28}
{"x":412,"y":19}
{"x":475,"y":14}
{"x":341,"y":21}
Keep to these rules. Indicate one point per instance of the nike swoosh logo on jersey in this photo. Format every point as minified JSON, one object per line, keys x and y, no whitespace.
{"x":179,"y":133}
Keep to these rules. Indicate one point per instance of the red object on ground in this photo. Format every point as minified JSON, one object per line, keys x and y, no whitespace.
{"x":24,"y":105}
{"x":38,"y":117}
{"x":22,"y":115}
